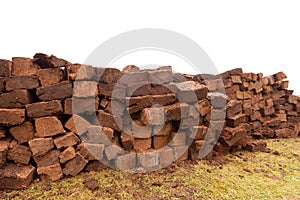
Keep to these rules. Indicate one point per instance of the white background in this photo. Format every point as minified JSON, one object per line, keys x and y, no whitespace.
{"x":257,"y":35}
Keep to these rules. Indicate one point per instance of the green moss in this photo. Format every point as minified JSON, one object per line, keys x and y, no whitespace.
{"x":246,"y":176}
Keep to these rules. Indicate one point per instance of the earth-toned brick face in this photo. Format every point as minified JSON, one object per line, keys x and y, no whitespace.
{"x":58,"y":118}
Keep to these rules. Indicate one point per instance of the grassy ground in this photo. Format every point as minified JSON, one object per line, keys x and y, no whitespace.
{"x":274,"y":175}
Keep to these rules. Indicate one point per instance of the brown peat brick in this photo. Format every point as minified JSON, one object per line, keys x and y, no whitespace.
{"x":66,"y":140}
{"x":127,"y":141}
{"x":49,"y":158}
{"x":68,"y":154}
{"x":204,"y":107}
{"x":108,"y":120}
{"x":233,"y":107}
{"x":236,"y":120}
{"x":15,"y":176}
{"x":50,"y":173}
{"x":230,"y":136}
{"x":41,"y":146}
{"x":141,"y":144}
{"x":5,"y":68}
{"x":48,"y":126}
{"x":12,"y":116}
{"x":236,"y":71}
{"x":106,"y":89}
{"x":50,"y":76}
{"x":21,"y":82}
{"x":42,"y":109}
{"x":68,"y":106}
{"x":160,"y":141}
{"x":158,"y":89}
{"x":236,"y":79}
{"x":72,"y":71}
{"x":75,"y":166}
{"x":23,"y":133}
{"x":164,"y":99}
{"x":19,"y":154}
{"x":138,"y":103}
{"x":173,"y":112}
{"x":45,"y":61}
{"x":23,"y":67}
{"x":109,"y":75}
{"x":16,"y":99}
{"x":57,"y":91}
{"x":279,"y":76}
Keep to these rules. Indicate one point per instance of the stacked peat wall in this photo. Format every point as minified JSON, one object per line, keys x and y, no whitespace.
{"x":58,"y":119}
